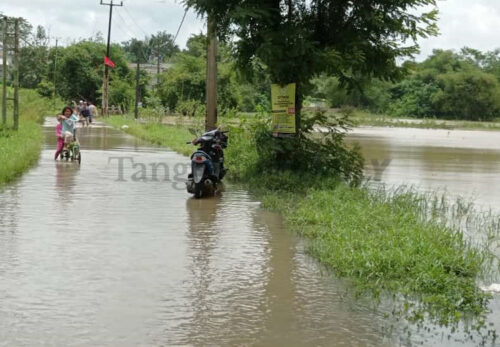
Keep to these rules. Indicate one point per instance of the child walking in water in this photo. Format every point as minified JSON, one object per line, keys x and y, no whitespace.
{"x":60,"y":140}
{"x":67,"y":134}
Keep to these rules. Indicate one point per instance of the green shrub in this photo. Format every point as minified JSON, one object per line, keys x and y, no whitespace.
{"x":317,"y":153}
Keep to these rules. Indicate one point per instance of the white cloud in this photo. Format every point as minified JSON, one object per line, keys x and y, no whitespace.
{"x":71,"y":20}
{"x":472,"y":23}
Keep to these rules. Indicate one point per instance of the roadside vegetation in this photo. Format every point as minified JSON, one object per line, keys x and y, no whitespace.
{"x":20,"y":150}
{"x":365,"y":118}
{"x":448,"y":85}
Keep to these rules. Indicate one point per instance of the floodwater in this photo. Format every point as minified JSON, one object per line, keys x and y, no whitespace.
{"x":462,"y":163}
{"x":115,"y":253}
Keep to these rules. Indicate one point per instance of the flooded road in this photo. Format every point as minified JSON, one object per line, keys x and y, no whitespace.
{"x":114,"y":253}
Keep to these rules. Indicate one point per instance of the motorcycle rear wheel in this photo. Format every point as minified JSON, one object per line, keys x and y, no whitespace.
{"x":198,"y":190}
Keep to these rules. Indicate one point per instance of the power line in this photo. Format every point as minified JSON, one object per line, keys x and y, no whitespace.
{"x":180,"y":25}
{"x":177,"y":33}
{"x":126,"y":31}
{"x":144,"y":55}
{"x":128,"y":13}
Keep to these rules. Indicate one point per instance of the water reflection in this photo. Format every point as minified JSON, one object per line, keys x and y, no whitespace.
{"x":202,"y":239}
{"x":65,"y":182}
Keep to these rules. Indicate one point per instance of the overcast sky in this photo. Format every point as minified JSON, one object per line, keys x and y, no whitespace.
{"x":472,"y":23}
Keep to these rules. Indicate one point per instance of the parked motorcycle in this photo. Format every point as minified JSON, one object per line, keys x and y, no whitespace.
{"x":207,"y":163}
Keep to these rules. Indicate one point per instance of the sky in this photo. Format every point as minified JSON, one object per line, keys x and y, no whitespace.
{"x":71,"y":20}
{"x":471,"y":23}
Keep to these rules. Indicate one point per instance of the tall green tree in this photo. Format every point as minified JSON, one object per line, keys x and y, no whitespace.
{"x":130,"y":48}
{"x":80,"y":70}
{"x":185,"y":80}
{"x":33,"y":62}
{"x":468,"y":95}
{"x":162,"y":46}
{"x":297,"y":39}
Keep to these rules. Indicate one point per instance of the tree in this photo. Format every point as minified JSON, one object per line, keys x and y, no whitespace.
{"x":297,"y":39}
{"x":468,"y":95}
{"x":185,"y":80}
{"x":80,"y":69}
{"x":413,"y":98}
{"x":130,"y":47}
{"x":162,"y":45}
{"x":33,"y":59}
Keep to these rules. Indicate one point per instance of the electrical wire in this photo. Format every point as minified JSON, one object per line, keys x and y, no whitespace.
{"x":180,"y":25}
{"x":133,"y":20}
{"x":177,"y":33}
{"x":127,"y":31}
{"x":134,"y":36}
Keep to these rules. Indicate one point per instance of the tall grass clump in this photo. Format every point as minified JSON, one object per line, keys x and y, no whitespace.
{"x":174,"y":137}
{"x":386,"y":244}
{"x":20,"y":149}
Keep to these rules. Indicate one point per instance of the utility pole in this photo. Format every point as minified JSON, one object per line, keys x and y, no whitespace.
{"x":4,"y":72}
{"x":16,"y":74}
{"x":211,"y":84}
{"x":138,"y":56}
{"x":158,"y":66}
{"x":106,"y":67}
{"x":55,"y":72}
{"x":136,"y":110}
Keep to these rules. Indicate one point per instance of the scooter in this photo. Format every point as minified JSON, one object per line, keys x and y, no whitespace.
{"x":207,"y":163}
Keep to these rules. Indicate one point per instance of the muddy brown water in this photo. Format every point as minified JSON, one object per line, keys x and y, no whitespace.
{"x":115,"y":253}
{"x":461,"y":163}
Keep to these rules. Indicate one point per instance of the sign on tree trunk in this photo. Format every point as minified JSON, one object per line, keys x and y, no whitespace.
{"x":283,"y":106}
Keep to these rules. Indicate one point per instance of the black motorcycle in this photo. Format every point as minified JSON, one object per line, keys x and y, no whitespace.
{"x":207,"y":163}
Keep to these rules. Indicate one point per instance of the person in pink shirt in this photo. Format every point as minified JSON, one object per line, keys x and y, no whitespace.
{"x":60,"y":140}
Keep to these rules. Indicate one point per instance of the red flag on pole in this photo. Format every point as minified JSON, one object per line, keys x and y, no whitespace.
{"x":108,"y":62}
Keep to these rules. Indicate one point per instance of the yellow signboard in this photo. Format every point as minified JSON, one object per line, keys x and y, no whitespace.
{"x":283,"y":106}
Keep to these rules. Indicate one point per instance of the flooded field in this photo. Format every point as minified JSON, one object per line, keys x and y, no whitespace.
{"x":461,"y":162}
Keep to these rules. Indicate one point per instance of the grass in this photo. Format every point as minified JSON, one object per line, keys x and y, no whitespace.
{"x":20,"y":150}
{"x":360,"y":118}
{"x":369,"y":119}
{"x":384,"y":242}
{"x":174,"y":137}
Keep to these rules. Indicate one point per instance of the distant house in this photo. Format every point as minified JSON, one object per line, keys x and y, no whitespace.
{"x":151,"y":69}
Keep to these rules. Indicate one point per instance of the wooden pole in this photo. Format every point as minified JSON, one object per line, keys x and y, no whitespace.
{"x":211,"y":84}
{"x":55,"y":80}
{"x":105,"y":86}
{"x":136,"y":111}
{"x":16,"y":75}
{"x":4,"y":72}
